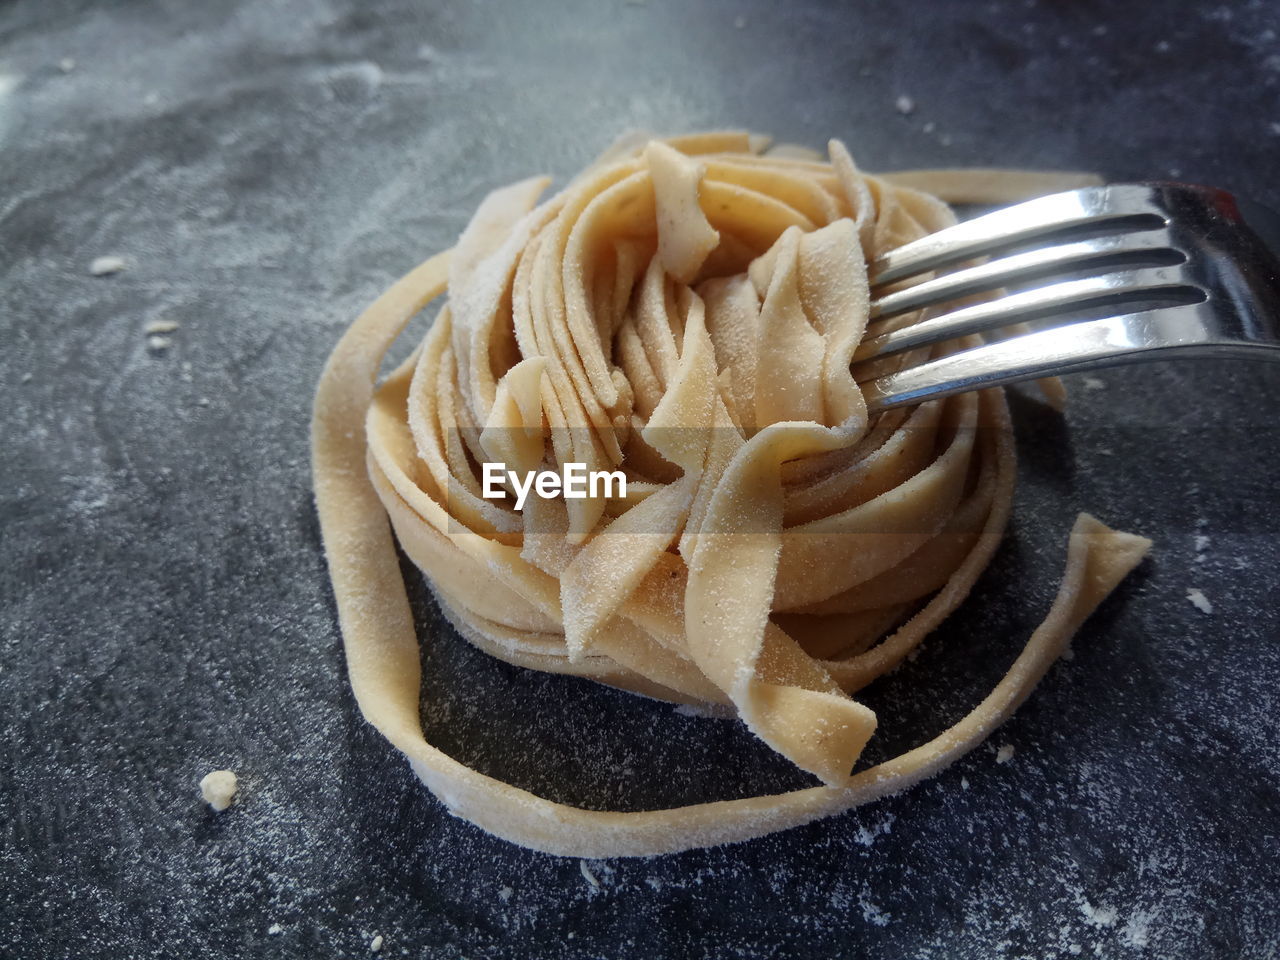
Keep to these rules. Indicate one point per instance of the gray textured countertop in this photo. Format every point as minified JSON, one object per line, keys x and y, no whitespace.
{"x":266,"y":169}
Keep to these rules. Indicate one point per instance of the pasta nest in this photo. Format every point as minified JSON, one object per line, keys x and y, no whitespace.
{"x":688,"y":312}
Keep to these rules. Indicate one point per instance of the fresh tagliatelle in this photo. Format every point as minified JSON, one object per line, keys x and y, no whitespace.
{"x":686,"y":311}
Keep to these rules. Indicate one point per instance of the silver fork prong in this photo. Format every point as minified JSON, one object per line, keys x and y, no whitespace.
{"x":1090,"y":210}
{"x":1147,"y":248}
{"x":1066,"y":349}
{"x":1155,"y":286}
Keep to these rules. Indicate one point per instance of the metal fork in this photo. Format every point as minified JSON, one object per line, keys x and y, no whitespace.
{"x":1139,"y":271}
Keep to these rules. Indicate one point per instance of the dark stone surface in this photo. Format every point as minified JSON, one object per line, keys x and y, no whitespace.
{"x":164,"y":609}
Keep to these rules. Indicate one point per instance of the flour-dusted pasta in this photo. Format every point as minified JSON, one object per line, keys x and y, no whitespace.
{"x":686,"y":312}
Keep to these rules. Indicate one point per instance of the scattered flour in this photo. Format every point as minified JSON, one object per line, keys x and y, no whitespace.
{"x":866,"y":835}
{"x":1199,"y":600}
{"x":1099,"y":916}
{"x":707,"y":711}
{"x":1137,"y":930}
{"x":871,"y":913}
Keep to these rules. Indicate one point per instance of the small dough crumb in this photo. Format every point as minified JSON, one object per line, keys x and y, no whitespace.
{"x":67,"y":64}
{"x":158,"y":344}
{"x":275,"y":930}
{"x":1093,"y":383}
{"x":1199,"y":600}
{"x":161,"y":326}
{"x":588,"y":875}
{"x":218,"y":788}
{"x":1004,"y":754}
{"x":905,"y":104}
{"x":739,"y":22}
{"x":105,"y":266}
{"x":376,"y":943}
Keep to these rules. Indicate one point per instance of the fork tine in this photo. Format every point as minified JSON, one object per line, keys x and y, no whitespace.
{"x":1148,"y":335}
{"x":1149,"y":247}
{"x":1073,"y":213}
{"x":1155,"y":286}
